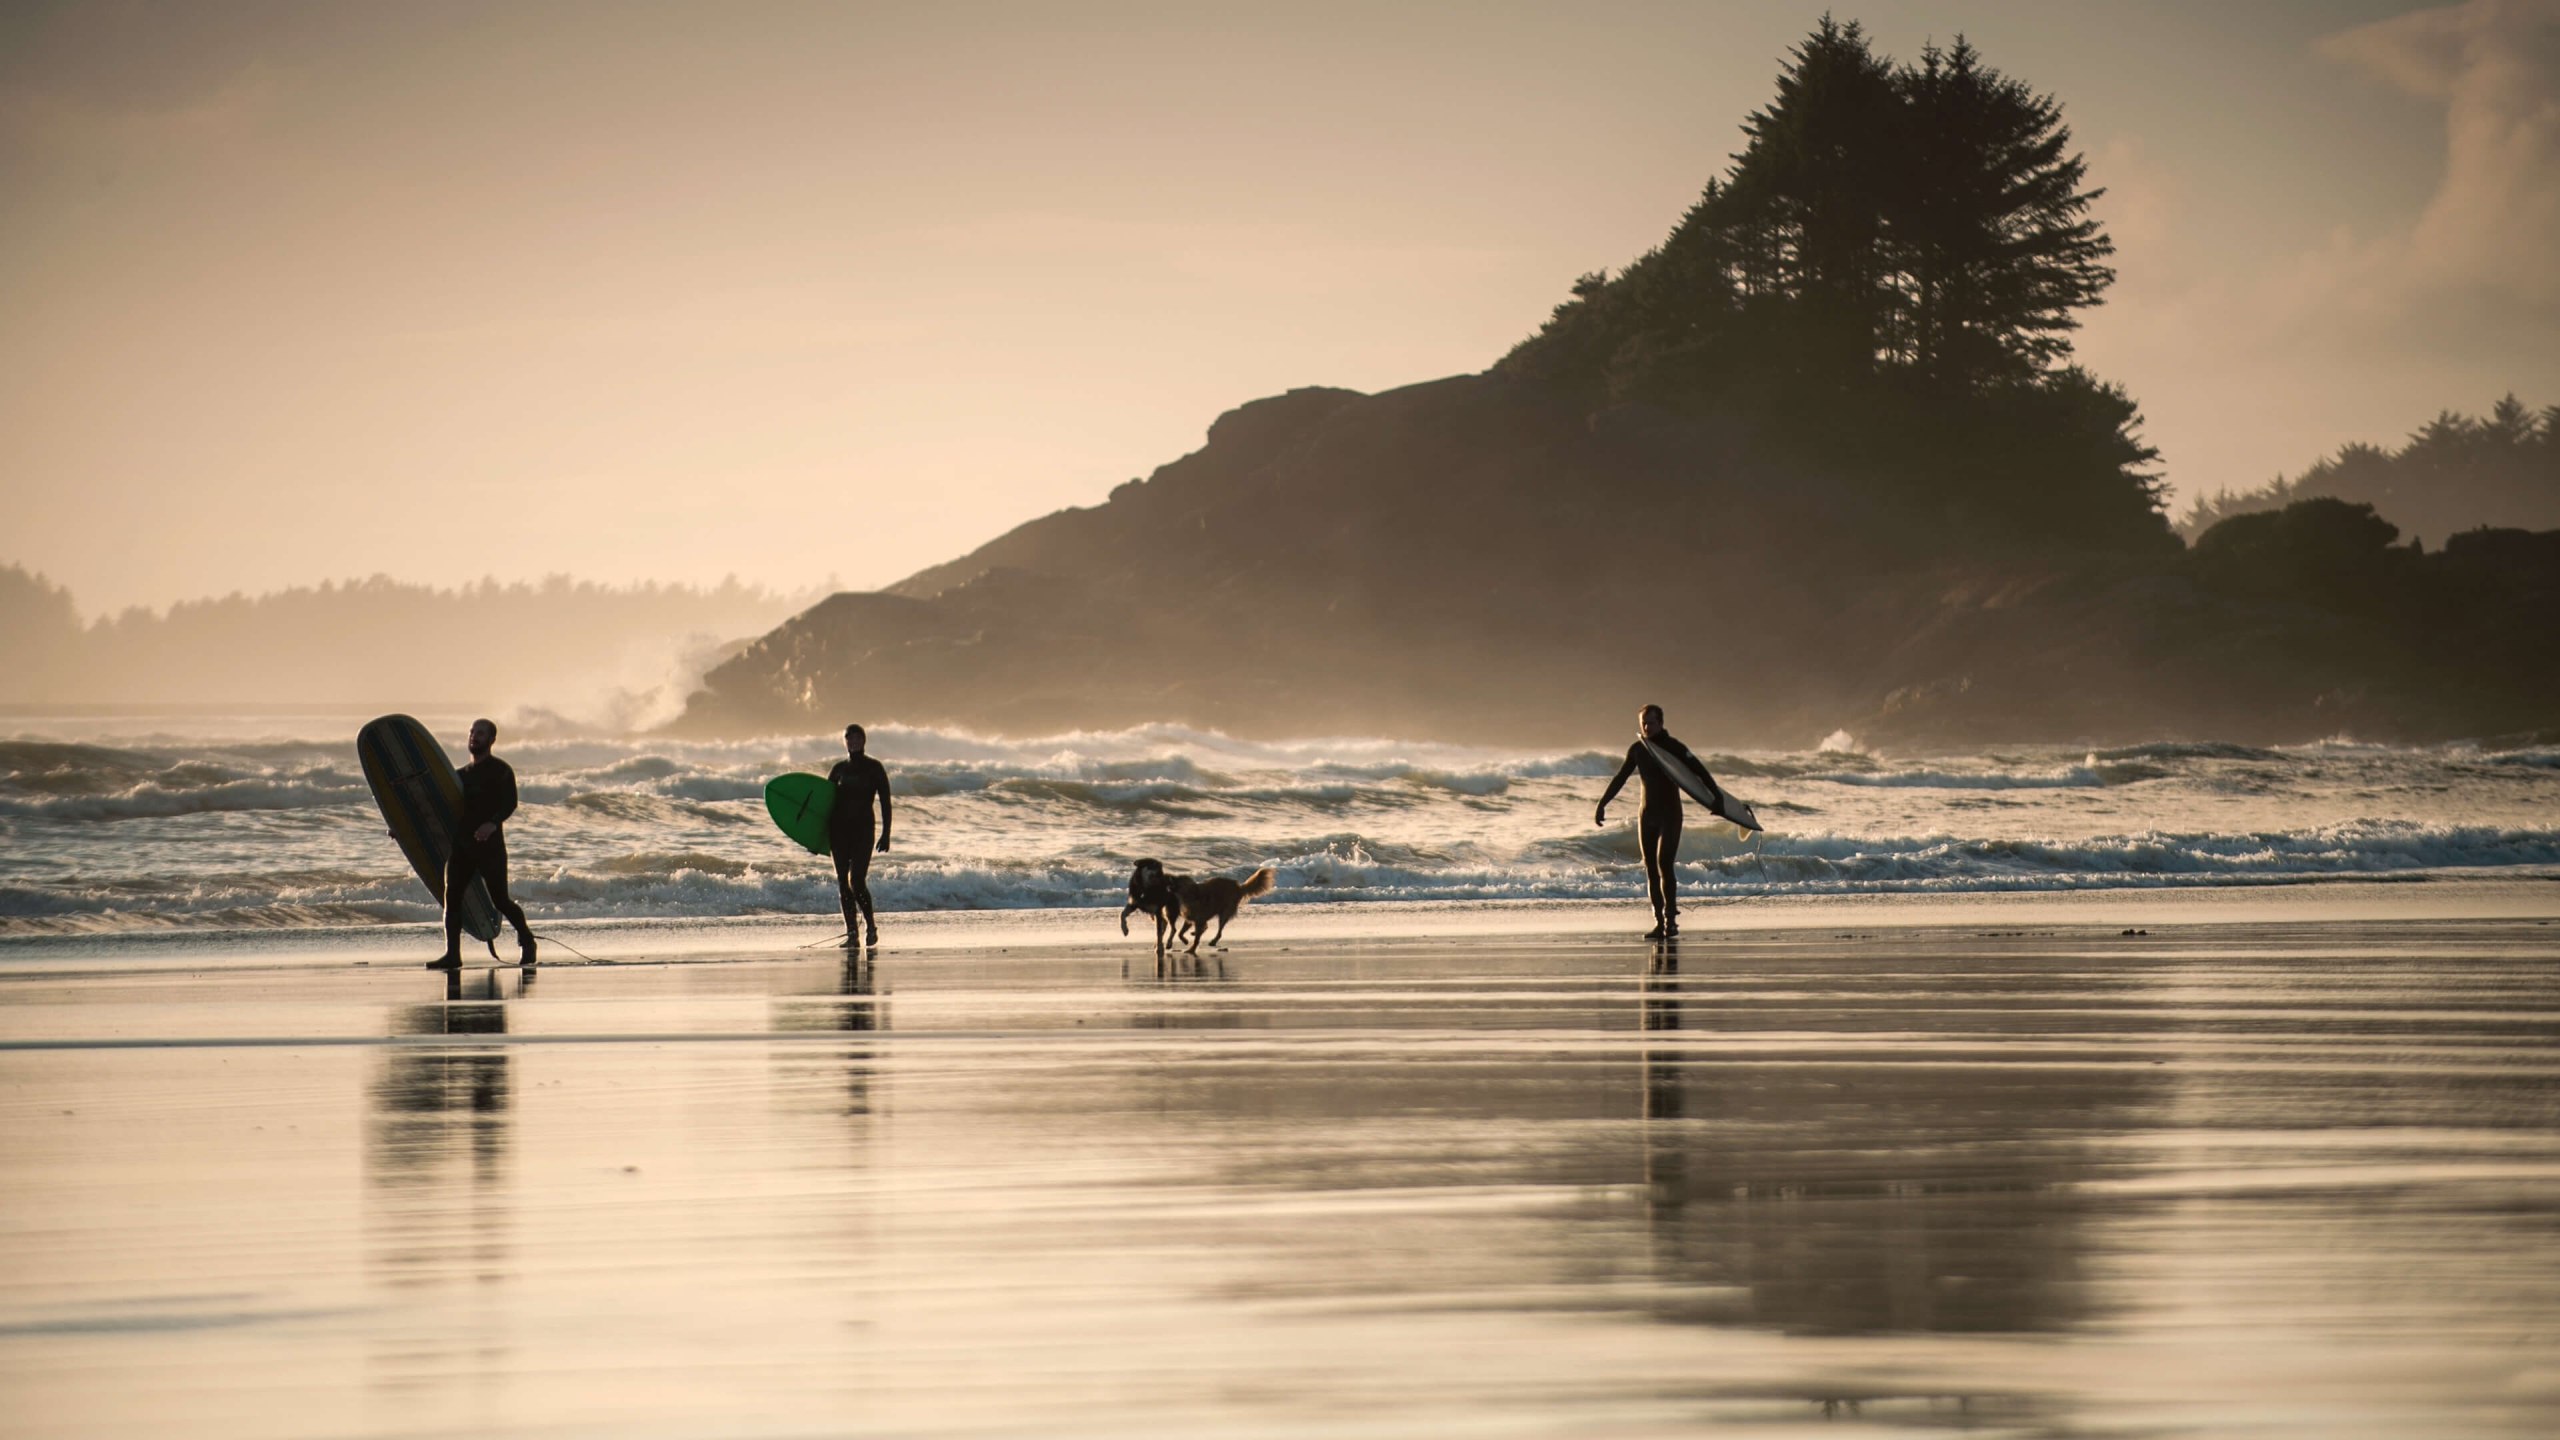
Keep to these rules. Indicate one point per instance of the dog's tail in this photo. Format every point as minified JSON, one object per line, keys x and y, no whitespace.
{"x":1258,"y":883}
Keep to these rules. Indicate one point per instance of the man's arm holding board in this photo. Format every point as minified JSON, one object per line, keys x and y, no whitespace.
{"x":1600,"y":816}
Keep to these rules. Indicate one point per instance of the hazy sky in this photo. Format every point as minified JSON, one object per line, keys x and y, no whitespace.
{"x":301,"y":291}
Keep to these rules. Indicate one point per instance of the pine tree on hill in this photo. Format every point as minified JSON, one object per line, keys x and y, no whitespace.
{"x":1806,"y":214}
{"x":1993,"y":250}
{"x":1885,"y":282}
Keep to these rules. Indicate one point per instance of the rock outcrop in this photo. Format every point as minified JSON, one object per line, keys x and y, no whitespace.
{"x":1478,"y":558}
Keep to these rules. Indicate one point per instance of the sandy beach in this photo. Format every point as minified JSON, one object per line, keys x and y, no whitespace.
{"x":2281,"y":1162}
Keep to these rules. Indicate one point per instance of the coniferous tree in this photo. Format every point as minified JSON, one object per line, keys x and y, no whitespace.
{"x":1991,"y":246}
{"x":1806,"y":213}
{"x":1887,"y":279}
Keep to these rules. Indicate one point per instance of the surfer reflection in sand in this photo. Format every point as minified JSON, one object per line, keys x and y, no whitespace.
{"x":1658,"y":824}
{"x":488,"y":798}
{"x":859,"y":781}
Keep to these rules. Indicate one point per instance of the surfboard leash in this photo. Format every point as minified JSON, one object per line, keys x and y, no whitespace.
{"x":563,"y":944}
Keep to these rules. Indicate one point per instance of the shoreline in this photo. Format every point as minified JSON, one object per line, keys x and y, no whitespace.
{"x":1081,"y":929}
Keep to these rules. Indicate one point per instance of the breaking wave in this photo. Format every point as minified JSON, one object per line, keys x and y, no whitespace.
{"x":2075,"y":776}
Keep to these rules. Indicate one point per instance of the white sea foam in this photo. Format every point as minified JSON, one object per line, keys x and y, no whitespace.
{"x":152,"y":799}
{"x":2069,"y":777}
{"x":2538,"y":759}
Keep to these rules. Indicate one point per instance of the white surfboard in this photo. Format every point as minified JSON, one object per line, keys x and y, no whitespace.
{"x":1727,"y":807}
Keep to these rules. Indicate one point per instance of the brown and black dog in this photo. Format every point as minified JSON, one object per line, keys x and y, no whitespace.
{"x":1155,"y":892}
{"x":1216,"y":898}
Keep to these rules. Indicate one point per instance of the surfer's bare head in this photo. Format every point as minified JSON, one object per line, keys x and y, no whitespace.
{"x":1649,"y":722}
{"x":854,"y":739}
{"x":484,"y":733}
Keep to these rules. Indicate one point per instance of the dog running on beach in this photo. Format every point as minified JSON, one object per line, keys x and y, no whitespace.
{"x":1155,"y":892}
{"x":1216,"y":898}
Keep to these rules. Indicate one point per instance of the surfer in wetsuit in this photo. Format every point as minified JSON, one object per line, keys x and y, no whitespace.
{"x":1658,"y":824}
{"x":488,"y":798}
{"x":859,"y":780}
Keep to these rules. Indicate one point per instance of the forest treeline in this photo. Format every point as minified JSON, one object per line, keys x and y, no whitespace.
{"x":1884,"y":286}
{"x":375,"y":640}
{"x":2456,"y":473}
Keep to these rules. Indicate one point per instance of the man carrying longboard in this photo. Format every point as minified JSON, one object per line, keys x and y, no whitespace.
{"x":480,"y":846}
{"x":859,"y":781}
{"x":1658,"y":824}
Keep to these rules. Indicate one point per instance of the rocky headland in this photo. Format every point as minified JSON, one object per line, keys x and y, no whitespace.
{"x":1819,"y":461}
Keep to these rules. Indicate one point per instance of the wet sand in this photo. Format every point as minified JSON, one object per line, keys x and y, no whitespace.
{"x":2283,"y":1165}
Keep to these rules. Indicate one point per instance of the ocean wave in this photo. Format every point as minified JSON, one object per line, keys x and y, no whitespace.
{"x":1818,"y":766}
{"x":1583,"y":764}
{"x":635,"y":768}
{"x":1162,"y":797}
{"x":1945,"y":861}
{"x":2531,"y":759}
{"x":636,"y":807}
{"x":1347,"y":869}
{"x":1154,"y":767}
{"x":908,"y":782}
{"x":2072,"y":777}
{"x":237,"y":917}
{"x":956,"y":885}
{"x":2186,"y":750}
{"x":1476,"y":784}
{"x":1175,"y":799}
{"x":345,"y":898}
{"x":152,"y":799}
{"x":36,"y":767}
{"x":670,"y":863}
{"x":711,"y":789}
{"x":1342,"y":867}
{"x":949,"y":778}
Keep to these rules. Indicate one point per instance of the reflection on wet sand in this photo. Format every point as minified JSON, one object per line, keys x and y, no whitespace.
{"x":1857,"y":1196}
{"x":1181,"y":981}
{"x":2292,"y":1182}
{"x":1175,"y":966}
{"x":852,"y":1004}
{"x":1882,"y":1172}
{"x":438,"y":1147}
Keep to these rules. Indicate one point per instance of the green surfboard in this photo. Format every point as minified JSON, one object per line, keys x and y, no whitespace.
{"x":800,"y":803}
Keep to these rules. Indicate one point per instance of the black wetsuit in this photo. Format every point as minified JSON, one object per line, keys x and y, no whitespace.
{"x":1658,"y":824}
{"x":488,"y":798}
{"x":859,"y":781}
